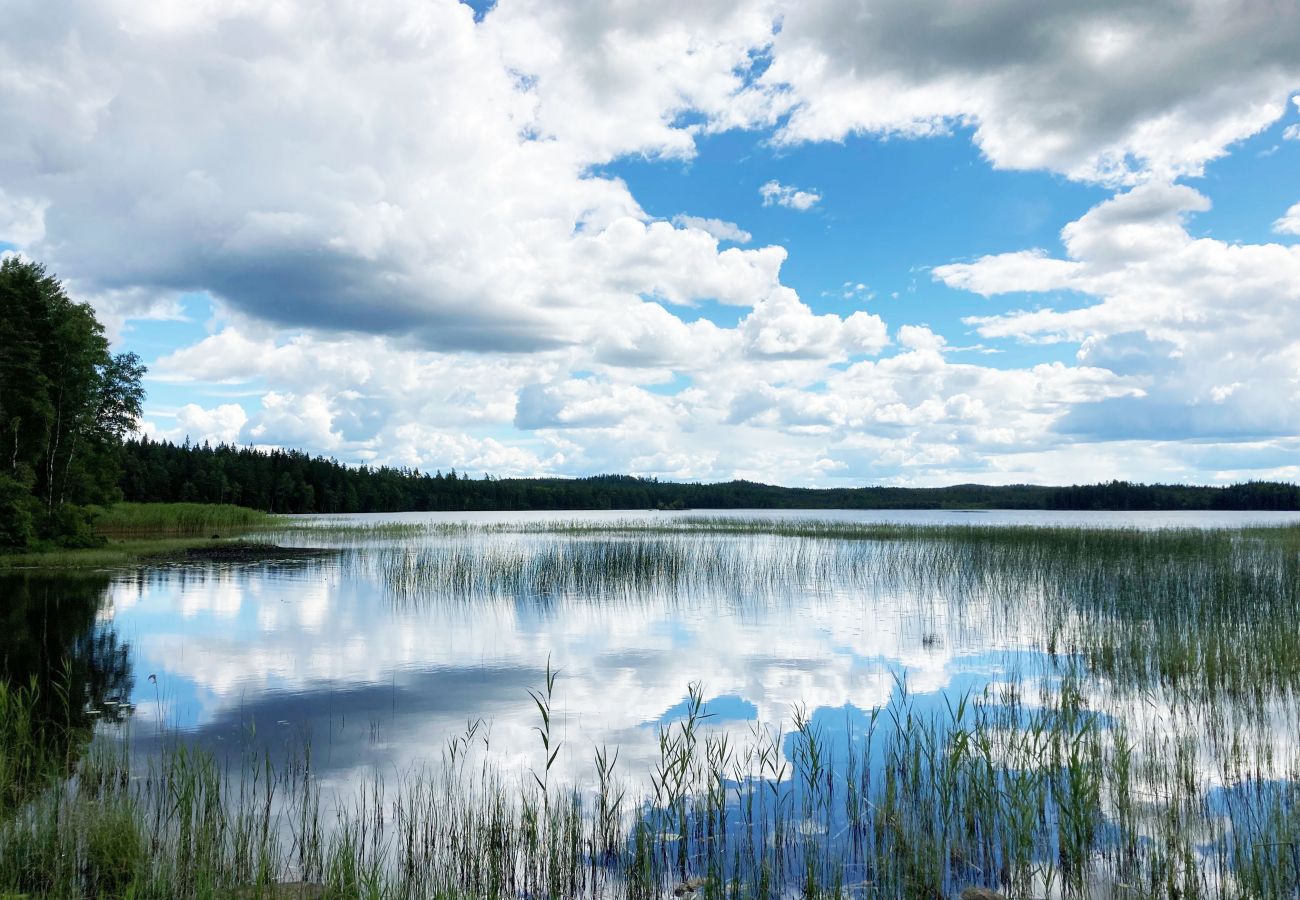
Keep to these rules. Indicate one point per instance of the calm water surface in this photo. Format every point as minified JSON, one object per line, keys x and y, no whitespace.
{"x":1041,"y":705}
{"x":378,"y":673}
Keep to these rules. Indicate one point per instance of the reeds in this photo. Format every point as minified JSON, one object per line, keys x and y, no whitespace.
{"x":1034,"y":800}
{"x":1148,"y":751}
{"x":1203,"y":613}
{"x":175,"y":519}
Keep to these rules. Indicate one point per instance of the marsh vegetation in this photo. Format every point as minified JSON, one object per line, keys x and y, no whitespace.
{"x":1114,"y":715}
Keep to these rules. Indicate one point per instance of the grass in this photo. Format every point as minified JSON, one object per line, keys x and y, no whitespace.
{"x":138,"y":533}
{"x":1150,"y":754}
{"x":1205,"y":614}
{"x":113,"y":554}
{"x":1037,"y":798}
{"x":177,"y":519}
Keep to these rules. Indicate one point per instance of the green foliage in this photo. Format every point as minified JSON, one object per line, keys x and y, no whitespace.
{"x":69,"y":526}
{"x":131,"y":519}
{"x":51,"y":636}
{"x":66,"y":403}
{"x":115,"y":848}
{"x":18,"y":510}
{"x":111,"y":554}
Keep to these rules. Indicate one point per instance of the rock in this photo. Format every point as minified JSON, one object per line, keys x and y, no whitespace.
{"x":689,"y":886}
{"x":981,"y":893}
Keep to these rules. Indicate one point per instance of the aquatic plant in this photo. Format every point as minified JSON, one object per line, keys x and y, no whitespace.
{"x":1150,"y":754}
{"x":173,"y":519}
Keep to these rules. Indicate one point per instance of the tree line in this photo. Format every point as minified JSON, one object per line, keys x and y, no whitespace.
{"x":290,"y":481}
{"x":66,"y":403}
{"x":68,"y":408}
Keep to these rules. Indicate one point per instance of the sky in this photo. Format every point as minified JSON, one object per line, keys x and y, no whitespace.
{"x":806,"y":242}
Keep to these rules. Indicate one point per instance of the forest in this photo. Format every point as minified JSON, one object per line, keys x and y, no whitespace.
{"x":69,"y":409}
{"x":290,"y":481}
{"x":66,"y":403}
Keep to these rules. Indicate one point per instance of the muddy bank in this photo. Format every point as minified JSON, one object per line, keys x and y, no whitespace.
{"x":241,"y":552}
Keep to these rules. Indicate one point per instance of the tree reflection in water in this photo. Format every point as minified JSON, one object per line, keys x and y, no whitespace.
{"x":52,"y":636}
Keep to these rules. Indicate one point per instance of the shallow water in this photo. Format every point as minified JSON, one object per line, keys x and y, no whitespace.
{"x":1145,"y":519}
{"x":1170,"y":653}
{"x":378,"y":673}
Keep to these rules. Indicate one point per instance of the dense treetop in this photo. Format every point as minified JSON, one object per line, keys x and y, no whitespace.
{"x":65,"y":405}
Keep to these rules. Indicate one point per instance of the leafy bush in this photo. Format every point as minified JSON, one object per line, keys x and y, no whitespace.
{"x":70,"y":526}
{"x":17,"y":513}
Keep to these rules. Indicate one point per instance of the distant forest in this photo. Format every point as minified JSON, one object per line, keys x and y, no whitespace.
{"x":289,"y":481}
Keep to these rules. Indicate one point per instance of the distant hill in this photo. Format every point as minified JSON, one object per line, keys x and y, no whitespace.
{"x":290,"y":481}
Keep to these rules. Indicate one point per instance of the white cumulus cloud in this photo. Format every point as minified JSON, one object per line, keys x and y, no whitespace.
{"x":776,"y":194}
{"x":1289,"y":223}
{"x":719,"y":228}
{"x":1185,"y":316}
{"x":416,"y":253}
{"x":1112,"y":92}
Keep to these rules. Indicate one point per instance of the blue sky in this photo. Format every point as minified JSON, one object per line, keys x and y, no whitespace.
{"x":834,"y":242}
{"x":889,"y":211}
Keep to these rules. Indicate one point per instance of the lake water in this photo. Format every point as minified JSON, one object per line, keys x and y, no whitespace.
{"x":330,"y":651}
{"x":380,"y":654}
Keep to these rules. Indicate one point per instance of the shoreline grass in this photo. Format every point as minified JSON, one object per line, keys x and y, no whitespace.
{"x":1031,"y":796}
{"x":141,"y":533}
{"x":113,"y":554}
{"x":179,"y":519}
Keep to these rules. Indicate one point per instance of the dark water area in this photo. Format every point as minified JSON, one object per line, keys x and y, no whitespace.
{"x":54,"y":634}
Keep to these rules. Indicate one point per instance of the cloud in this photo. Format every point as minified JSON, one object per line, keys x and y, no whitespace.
{"x":22,"y":219}
{"x":723,"y":231}
{"x":1290,"y":221}
{"x":584,"y":403}
{"x":220,"y":425}
{"x":775,"y":193}
{"x":648,"y":336}
{"x":381,"y":169}
{"x":1118,"y":92}
{"x":616,"y":78}
{"x":289,"y":420}
{"x":1195,"y":320}
{"x":1031,"y":270}
{"x":783,"y":327}
{"x":415,"y":251}
{"x":1115,"y":92}
{"x":919,"y":337}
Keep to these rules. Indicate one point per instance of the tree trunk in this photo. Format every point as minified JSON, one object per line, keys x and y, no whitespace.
{"x":54,"y":452}
{"x":67,"y":468}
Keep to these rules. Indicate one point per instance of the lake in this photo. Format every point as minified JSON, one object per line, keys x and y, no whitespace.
{"x":423,"y":635}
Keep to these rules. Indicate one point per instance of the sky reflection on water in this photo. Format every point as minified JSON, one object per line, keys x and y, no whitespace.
{"x":323,"y":650}
{"x":978,"y":664}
